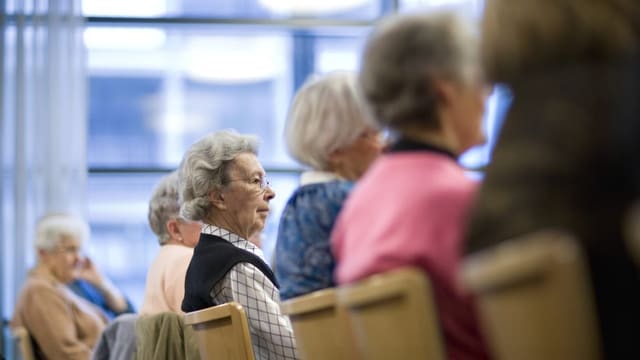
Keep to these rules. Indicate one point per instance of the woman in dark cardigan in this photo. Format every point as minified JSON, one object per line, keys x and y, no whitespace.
{"x":223,"y":185}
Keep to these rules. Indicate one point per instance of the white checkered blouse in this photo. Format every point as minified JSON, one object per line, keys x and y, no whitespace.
{"x":271,"y":332}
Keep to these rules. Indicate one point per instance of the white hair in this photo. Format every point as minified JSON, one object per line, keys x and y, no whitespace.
{"x":204,"y":167}
{"x":164,"y":206}
{"x":326,"y":114}
{"x":52,"y":228}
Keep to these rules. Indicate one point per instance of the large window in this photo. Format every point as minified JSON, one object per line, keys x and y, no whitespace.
{"x":163,"y":73}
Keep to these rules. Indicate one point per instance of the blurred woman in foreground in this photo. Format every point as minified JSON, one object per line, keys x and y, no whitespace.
{"x":567,"y":152}
{"x":420,"y":76}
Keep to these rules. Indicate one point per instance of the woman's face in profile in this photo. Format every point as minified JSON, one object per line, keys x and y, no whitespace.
{"x":247,"y":195}
{"x":63,"y":260}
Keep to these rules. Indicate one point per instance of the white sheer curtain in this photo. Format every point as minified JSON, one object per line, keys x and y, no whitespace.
{"x":42,"y":127}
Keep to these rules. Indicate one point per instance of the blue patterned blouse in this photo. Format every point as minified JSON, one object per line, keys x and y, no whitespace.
{"x":303,"y":259}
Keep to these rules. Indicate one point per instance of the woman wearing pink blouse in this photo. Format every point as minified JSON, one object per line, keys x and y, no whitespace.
{"x":420,"y":78}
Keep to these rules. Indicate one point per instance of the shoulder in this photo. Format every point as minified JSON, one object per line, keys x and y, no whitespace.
{"x":433,"y":176}
{"x":410,"y":183}
{"x":323,"y":198}
{"x":328,"y":191}
{"x":41,"y":291}
{"x":39,"y":285}
{"x":249,"y":274}
{"x":175,"y":253}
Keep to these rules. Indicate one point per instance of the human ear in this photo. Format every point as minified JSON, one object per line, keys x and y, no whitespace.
{"x":42,"y":254}
{"x":216,"y":198}
{"x":335,"y":158}
{"x":445,"y":91}
{"x":173,"y":230}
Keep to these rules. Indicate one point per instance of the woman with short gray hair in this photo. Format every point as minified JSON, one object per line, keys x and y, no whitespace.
{"x":223,"y":184}
{"x":421,"y":78}
{"x":164,"y":289}
{"x":406,"y":63}
{"x":327,"y":130}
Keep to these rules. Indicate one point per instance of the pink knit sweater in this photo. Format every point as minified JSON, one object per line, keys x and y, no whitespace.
{"x":409,"y":210}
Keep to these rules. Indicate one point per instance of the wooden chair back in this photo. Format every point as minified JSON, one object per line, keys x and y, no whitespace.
{"x":535,"y":298}
{"x":319,"y":325}
{"x":22,"y":341}
{"x":222,"y":332}
{"x":393,"y":316}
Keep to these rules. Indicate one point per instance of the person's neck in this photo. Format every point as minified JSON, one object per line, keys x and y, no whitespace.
{"x":173,"y":241}
{"x":441,"y":138}
{"x":229,"y":225}
{"x":344,"y":172}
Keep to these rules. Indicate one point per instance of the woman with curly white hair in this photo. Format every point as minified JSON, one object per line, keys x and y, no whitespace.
{"x":223,"y":185}
{"x":327,"y":130}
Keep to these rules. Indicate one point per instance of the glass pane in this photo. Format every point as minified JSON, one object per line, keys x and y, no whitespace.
{"x":469,"y":8}
{"x":154,"y":91}
{"x":256,"y":9}
{"x":122,"y":244}
{"x":496,"y":109}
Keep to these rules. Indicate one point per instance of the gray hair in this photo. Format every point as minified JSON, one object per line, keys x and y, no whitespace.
{"x":52,"y":228}
{"x":404,"y":56}
{"x":204,"y":168}
{"x":164,"y":206}
{"x":326,"y":114}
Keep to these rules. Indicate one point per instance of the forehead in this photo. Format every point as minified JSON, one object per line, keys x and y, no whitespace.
{"x":246,"y":164}
{"x":69,"y":240}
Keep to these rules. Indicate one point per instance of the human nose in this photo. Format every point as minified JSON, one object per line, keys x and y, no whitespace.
{"x":269,"y":193}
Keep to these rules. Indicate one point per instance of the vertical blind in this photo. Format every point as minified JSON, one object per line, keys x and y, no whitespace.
{"x":42,"y":127}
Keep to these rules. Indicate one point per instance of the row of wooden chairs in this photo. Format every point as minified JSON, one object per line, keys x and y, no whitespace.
{"x":222,"y":332}
{"x":377,"y":307}
{"x":386,"y":316}
{"x":533,"y":295}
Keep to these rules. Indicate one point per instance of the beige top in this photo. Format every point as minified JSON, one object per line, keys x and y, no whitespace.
{"x":63,"y":325}
{"x":164,"y":290}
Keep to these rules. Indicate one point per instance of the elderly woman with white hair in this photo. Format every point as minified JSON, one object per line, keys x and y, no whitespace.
{"x":421,"y":78}
{"x":223,"y":185}
{"x":164,"y":289}
{"x":62,"y":324}
{"x":326,"y":130}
